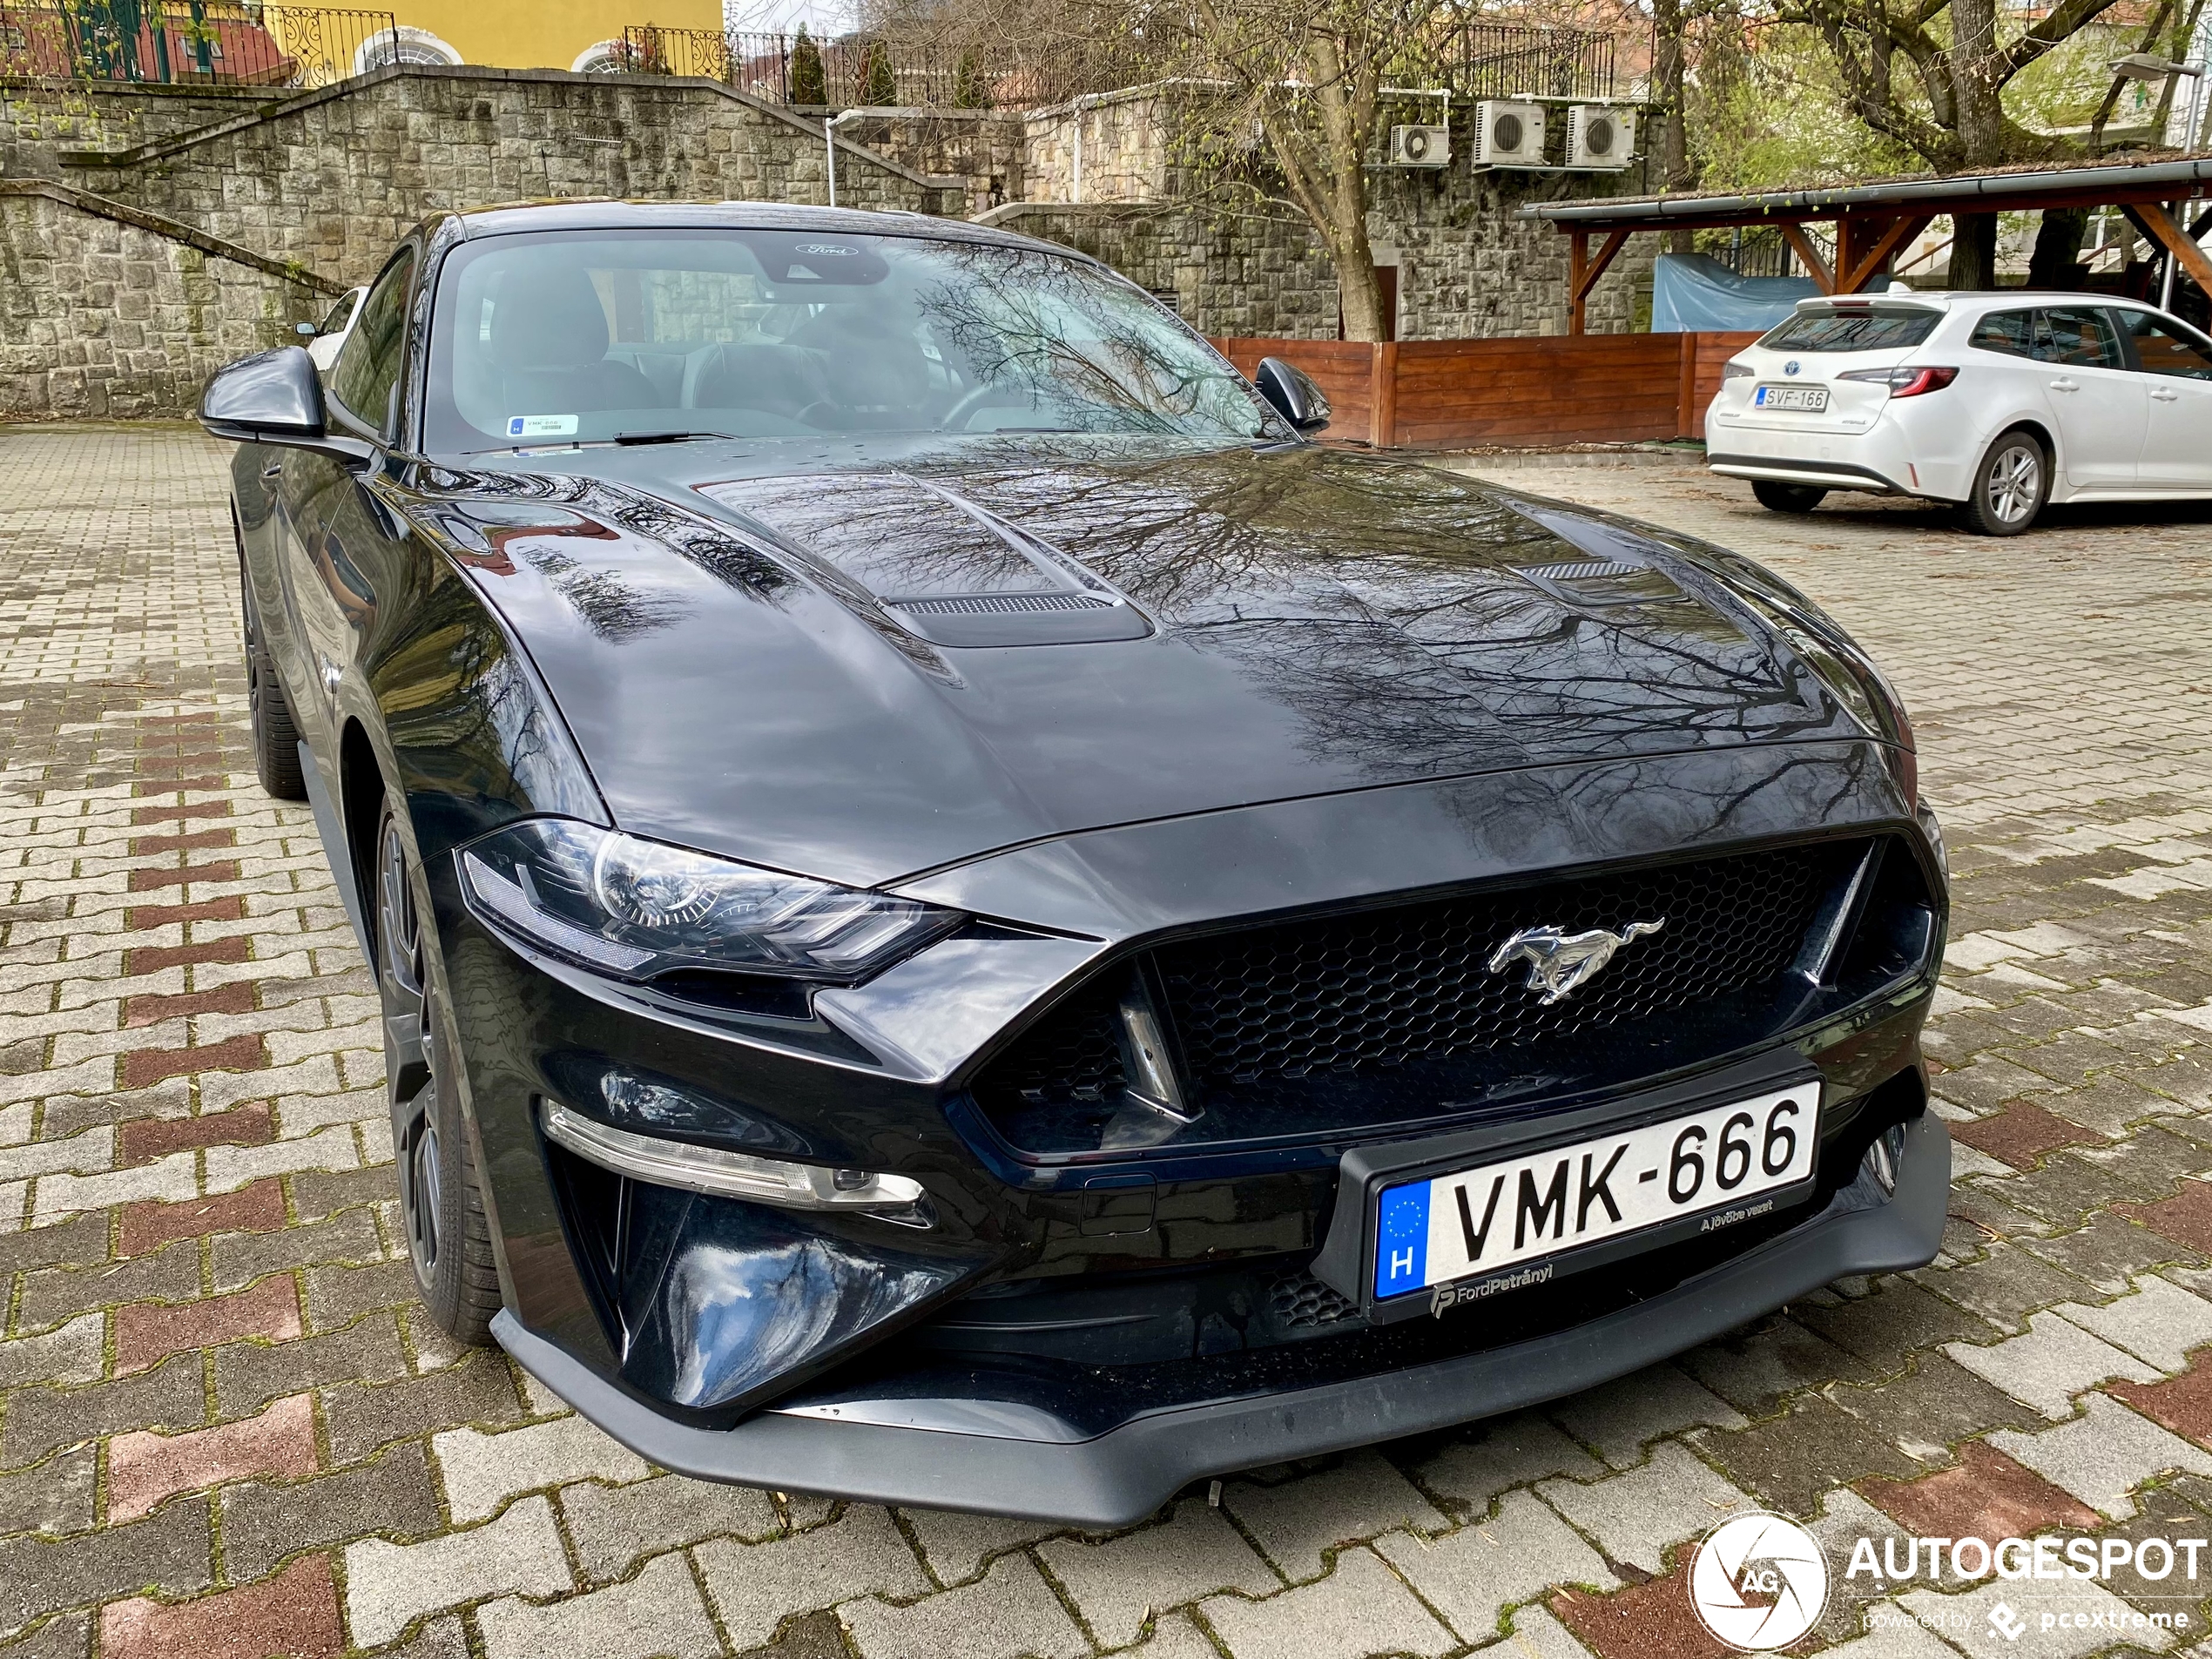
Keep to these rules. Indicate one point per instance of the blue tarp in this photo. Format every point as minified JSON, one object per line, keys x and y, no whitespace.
{"x":1690,"y":292}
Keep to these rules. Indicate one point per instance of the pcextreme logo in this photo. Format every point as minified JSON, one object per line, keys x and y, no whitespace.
{"x":1759,"y":1582}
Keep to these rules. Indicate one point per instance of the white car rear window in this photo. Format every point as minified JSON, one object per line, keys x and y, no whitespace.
{"x":1813,"y":331}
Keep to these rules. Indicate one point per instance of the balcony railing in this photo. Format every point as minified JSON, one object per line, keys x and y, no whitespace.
{"x":1517,"y":60}
{"x":1478,"y":61}
{"x":854,"y":72}
{"x":218,"y":42}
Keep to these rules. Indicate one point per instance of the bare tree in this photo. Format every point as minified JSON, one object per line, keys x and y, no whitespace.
{"x":1284,"y":99}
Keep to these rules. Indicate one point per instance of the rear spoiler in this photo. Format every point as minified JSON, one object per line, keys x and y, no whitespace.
{"x":1869,"y":302}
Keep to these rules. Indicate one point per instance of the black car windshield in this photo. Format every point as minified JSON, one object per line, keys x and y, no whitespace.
{"x":584,"y":336}
{"x":1870,"y":330}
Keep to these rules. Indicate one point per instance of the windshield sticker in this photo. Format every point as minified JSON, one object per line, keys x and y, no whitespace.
{"x":540,"y":426}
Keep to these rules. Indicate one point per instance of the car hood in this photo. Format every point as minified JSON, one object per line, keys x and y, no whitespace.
{"x":866,"y":661}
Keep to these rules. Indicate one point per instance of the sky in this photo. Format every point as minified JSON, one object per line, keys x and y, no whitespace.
{"x":782,"y":16}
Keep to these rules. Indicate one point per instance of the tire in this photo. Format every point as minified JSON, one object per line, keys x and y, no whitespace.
{"x":276,"y":740}
{"x":441,"y":1206}
{"x":2010,"y":486}
{"x":1787,"y":498}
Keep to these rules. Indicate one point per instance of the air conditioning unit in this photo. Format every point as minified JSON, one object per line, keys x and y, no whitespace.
{"x":1599,"y":137}
{"x":1420,"y":146}
{"x":1509,"y":134}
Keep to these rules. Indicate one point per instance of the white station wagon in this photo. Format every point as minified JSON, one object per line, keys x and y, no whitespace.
{"x":1997,"y":402}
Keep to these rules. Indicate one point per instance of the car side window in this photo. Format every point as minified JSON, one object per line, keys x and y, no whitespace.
{"x":339,"y":312}
{"x":2164,"y":350}
{"x":366,"y":377}
{"x":2010,"y":331}
{"x":2079,"y":337}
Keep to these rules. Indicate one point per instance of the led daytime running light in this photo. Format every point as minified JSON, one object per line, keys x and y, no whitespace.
{"x":718,"y":1172}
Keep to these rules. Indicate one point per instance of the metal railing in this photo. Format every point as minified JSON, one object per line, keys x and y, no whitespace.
{"x":1480,"y":60}
{"x":798,"y":69}
{"x":1516,"y":60}
{"x":216,"y":42}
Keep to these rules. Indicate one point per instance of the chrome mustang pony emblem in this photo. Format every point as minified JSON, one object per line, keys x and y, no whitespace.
{"x":1558,"y":962}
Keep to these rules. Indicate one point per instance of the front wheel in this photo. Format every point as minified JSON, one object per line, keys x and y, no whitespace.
{"x":2010,"y":486}
{"x":1787,"y":498}
{"x":276,"y":740}
{"x":440,"y":1206}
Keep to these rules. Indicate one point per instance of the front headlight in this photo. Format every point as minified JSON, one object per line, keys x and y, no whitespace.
{"x":638,"y":908}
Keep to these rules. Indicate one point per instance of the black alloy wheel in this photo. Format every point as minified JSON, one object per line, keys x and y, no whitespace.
{"x":441,"y":1206}
{"x":2010,"y":486}
{"x":1778,"y":497}
{"x":276,"y":740}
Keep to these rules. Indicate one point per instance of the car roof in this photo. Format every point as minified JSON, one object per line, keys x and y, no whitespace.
{"x":512,"y":218}
{"x":1963,"y":299}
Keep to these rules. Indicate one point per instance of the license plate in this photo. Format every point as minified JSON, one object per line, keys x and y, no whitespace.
{"x":1505,"y":1225}
{"x":1811,"y":400}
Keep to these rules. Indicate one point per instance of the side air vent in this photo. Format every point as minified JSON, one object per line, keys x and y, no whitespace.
{"x":992,"y":605}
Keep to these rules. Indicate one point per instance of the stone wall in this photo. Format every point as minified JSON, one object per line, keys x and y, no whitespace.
{"x":332,"y":179}
{"x":40,"y":118}
{"x":1469,"y":266}
{"x":108,"y":314}
{"x":982,"y":149}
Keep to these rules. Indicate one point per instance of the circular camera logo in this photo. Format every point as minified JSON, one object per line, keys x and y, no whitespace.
{"x":1759,"y":1582}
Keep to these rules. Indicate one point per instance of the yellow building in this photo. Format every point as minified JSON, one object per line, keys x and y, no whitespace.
{"x":537,"y":33}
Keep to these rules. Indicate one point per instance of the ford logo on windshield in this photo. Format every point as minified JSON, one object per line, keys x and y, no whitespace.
{"x":829,"y":248}
{"x":1790,"y":368}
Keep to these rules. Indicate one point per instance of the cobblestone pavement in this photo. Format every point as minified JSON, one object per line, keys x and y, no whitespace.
{"x":227,"y":1429}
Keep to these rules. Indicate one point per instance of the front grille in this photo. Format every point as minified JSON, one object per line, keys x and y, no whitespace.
{"x":1378,"y":997}
{"x":1384,"y":989}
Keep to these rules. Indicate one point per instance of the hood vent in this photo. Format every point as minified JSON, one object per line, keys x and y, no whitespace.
{"x":973,"y":579}
{"x":1583,"y":572}
{"x":1603,"y":582}
{"x":990,"y":605}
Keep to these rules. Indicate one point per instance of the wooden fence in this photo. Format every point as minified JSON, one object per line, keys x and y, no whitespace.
{"x":1525,"y":391}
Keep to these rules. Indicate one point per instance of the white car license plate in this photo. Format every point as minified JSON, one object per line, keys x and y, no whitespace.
{"x":1519,"y":1214}
{"x":1810,"y":400}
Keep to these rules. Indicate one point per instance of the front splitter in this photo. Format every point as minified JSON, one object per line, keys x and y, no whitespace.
{"x":1125,"y":1474}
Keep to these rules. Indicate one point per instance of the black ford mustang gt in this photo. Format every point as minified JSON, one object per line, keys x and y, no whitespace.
{"x":965,"y":916}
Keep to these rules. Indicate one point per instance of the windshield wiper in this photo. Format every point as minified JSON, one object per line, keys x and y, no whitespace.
{"x":666,"y":437}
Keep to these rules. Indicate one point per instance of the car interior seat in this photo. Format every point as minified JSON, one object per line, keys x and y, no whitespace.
{"x":549,"y":341}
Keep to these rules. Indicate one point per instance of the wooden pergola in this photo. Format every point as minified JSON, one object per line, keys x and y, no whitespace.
{"x":1874,"y":221}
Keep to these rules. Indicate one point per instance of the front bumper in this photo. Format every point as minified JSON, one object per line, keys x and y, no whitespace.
{"x":1023,"y":1462}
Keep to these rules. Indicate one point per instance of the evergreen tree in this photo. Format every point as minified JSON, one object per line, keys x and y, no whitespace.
{"x":878,"y":87}
{"x":807,"y":85}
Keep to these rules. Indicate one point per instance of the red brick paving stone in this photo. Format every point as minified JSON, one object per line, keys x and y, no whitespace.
{"x":237,"y":997}
{"x":225,"y":835}
{"x":294,"y":1612}
{"x":1986,"y":1496}
{"x":151,"y":958}
{"x":231,"y":907}
{"x":146,"y":1332}
{"x":197,"y":809}
{"x":150,"y":1223}
{"x":2185,"y":1218}
{"x":2021,"y":1133}
{"x":179,"y":787}
{"x":146,"y":1468}
{"x":144,"y":1139}
{"x":151,"y":881}
{"x":1649,"y":1621}
{"x":245,"y":1052}
{"x":2182,"y":1404}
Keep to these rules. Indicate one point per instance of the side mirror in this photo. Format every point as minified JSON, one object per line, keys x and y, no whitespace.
{"x":305,"y":330}
{"x":275,"y":397}
{"x":1292,"y":392}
